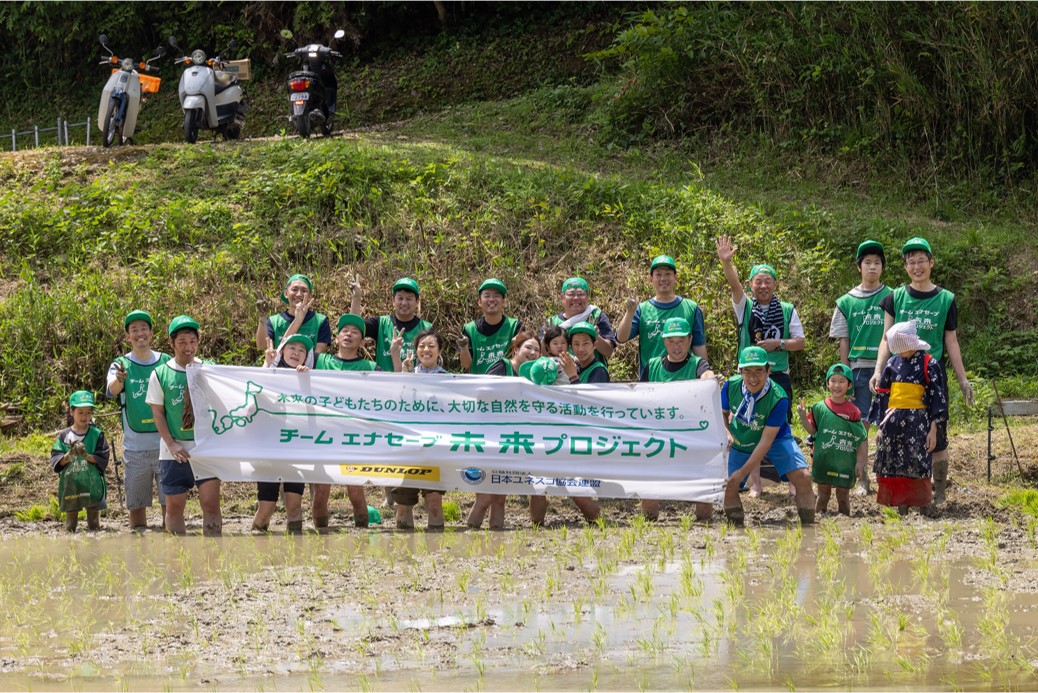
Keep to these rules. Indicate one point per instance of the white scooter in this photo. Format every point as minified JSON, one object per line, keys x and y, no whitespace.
{"x":121,"y":97}
{"x":210,"y":95}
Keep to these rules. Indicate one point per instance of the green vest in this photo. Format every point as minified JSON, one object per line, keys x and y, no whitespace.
{"x":80,"y":484}
{"x":836,"y":447}
{"x":931,"y":314}
{"x":592,"y":319}
{"x":331,"y":362}
{"x":586,"y":373}
{"x":386,"y":332}
{"x":486,"y":351}
{"x":780,"y":359}
{"x":310,"y":328}
{"x":748,"y":435}
{"x":650,"y":327}
{"x":135,"y":390}
{"x":659,"y":374}
{"x":864,"y":323}
{"x":174,"y":387}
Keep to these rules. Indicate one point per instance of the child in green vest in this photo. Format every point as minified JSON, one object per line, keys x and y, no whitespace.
{"x":485,"y":340}
{"x":644,"y":321}
{"x":406,"y":305}
{"x":80,"y":457}
{"x":170,"y":402}
{"x":936,"y":316}
{"x":296,"y":318}
{"x":426,"y":358}
{"x":755,"y":411}
{"x":764,"y":321}
{"x":525,"y":347}
{"x":128,"y":378}
{"x":679,"y":363}
{"x":841,"y":447}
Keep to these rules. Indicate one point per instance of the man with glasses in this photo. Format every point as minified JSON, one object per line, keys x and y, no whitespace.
{"x":577,"y":308}
{"x":936,"y":316}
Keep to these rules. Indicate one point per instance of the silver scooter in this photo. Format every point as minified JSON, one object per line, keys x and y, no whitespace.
{"x":121,"y":96}
{"x":210,"y":95}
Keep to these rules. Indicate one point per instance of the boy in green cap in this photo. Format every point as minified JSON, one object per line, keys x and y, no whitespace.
{"x":756,"y":413}
{"x":584,"y":365}
{"x":644,"y":321}
{"x":128,"y":378}
{"x":841,"y":446}
{"x":296,"y":318}
{"x":80,"y":458}
{"x":679,"y":363}
{"x":577,"y":308}
{"x":403,"y":320}
{"x":349,"y":339}
{"x":485,"y":340}
{"x":936,"y":316}
{"x":170,"y":402}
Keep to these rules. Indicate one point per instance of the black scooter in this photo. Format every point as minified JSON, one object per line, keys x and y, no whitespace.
{"x":313,"y":89}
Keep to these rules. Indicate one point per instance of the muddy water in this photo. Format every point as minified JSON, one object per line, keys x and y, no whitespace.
{"x":845,"y":604}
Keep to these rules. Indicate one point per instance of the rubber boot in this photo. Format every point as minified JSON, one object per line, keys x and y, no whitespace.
{"x":940,"y":480}
{"x":93,"y":519}
{"x":296,"y":526}
{"x":71,"y":522}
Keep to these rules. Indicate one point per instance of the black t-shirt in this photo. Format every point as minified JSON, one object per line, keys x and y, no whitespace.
{"x":599,"y":375}
{"x":498,"y":368}
{"x":951,"y":322}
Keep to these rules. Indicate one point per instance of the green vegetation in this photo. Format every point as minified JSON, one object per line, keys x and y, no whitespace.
{"x":1023,"y":499}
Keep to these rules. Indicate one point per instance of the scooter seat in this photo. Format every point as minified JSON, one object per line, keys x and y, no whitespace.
{"x":224,"y":81}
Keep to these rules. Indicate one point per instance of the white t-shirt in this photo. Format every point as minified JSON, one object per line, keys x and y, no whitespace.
{"x":156,"y":395}
{"x":796,"y":329}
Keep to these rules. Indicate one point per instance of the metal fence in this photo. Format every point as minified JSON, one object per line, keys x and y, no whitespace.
{"x":60,"y":137}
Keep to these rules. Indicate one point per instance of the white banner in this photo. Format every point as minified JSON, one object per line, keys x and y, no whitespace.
{"x":459,"y":432}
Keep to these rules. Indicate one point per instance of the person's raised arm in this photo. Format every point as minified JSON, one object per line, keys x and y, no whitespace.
{"x":356,"y":295}
{"x":805,"y":420}
{"x":464,"y":351}
{"x":726,"y":253}
{"x":623,"y":332}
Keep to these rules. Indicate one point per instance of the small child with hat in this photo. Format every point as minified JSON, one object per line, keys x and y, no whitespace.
{"x":841,"y":443}
{"x":80,"y":457}
{"x":910,"y":401}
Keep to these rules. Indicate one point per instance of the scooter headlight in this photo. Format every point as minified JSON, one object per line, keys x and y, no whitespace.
{"x":198,"y":57}
{"x":127,"y":64}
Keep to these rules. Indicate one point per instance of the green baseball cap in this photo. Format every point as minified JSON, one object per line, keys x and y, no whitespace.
{"x":575,"y":283}
{"x":540,"y":371}
{"x":844,"y":370}
{"x":406,"y":284}
{"x":137,"y":315}
{"x":663,"y":261}
{"x":181,"y":322}
{"x":763,"y":268}
{"x":351,"y":319}
{"x":870,"y":246}
{"x":301,"y":339}
{"x":583,"y":328}
{"x":297,"y":278}
{"x":753,"y":356}
{"x":916,"y":243}
{"x":81,"y":398}
{"x":494,"y":284}
{"x":676,"y":327}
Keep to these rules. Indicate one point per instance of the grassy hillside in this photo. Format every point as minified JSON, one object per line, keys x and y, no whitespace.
{"x":519,"y":189}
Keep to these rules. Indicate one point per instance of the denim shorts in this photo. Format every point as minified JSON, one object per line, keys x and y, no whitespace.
{"x":178,"y":477}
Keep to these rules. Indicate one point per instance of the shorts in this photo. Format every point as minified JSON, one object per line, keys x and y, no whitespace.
{"x":178,"y":477}
{"x":270,"y":490}
{"x":784,"y":454}
{"x":862,"y":394}
{"x":899,"y":490}
{"x":786,"y":382}
{"x":409,"y":496}
{"x":142,"y":473}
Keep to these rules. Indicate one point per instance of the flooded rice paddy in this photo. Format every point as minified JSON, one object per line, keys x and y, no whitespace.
{"x":850,"y":603}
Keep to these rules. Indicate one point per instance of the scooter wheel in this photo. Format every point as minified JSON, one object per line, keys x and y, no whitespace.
{"x":112,"y":133}
{"x":303,"y":126}
{"x":191,"y":126}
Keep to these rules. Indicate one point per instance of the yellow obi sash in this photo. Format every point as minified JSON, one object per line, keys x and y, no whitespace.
{"x":906,"y":396}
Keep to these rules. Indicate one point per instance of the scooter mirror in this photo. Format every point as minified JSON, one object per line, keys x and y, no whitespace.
{"x":339,"y":34}
{"x":232,"y":45}
{"x":286,"y":34}
{"x":160,"y":51}
{"x":103,"y":38}
{"x":173,"y":41}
